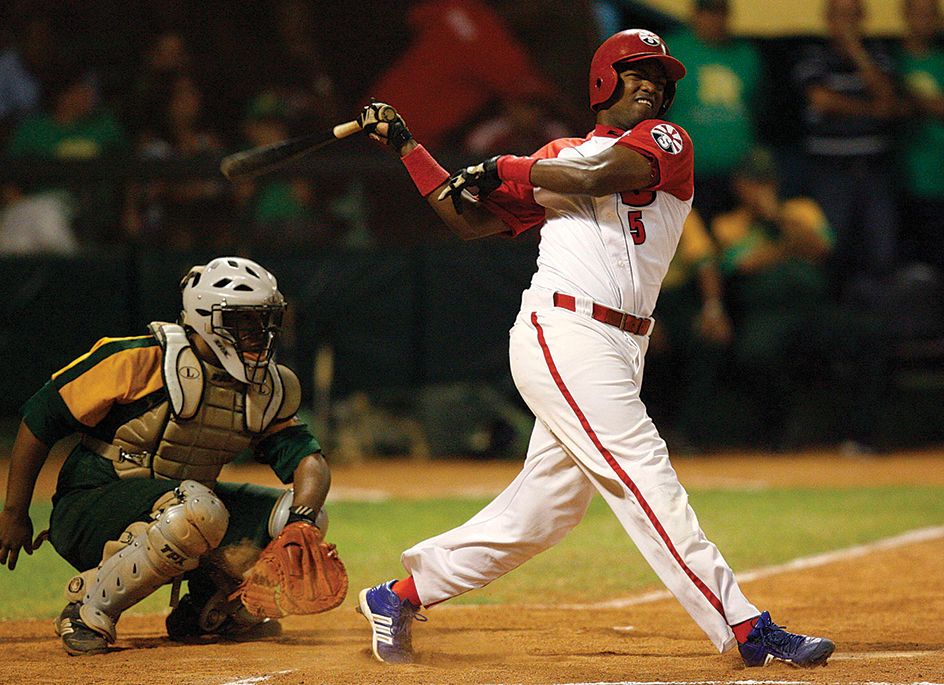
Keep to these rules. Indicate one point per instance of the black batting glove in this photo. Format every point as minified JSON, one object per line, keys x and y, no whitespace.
{"x":397,"y":134}
{"x":483,"y":177}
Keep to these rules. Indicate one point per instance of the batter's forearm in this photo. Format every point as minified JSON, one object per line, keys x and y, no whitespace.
{"x":615,"y":170}
{"x":408,"y":147}
{"x":26,"y":461}
{"x":475,"y":221}
{"x":431,"y":179}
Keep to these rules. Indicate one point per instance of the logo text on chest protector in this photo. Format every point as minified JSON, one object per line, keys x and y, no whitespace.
{"x":668,"y":138}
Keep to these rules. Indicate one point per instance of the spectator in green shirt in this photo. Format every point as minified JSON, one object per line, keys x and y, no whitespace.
{"x":73,"y":127}
{"x":283,"y":212}
{"x":720,"y":104}
{"x":921,"y":65}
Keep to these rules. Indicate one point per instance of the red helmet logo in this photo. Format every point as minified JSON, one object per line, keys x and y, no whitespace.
{"x":629,"y":46}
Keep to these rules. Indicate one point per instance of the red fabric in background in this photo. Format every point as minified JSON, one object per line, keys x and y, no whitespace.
{"x":462,"y":57}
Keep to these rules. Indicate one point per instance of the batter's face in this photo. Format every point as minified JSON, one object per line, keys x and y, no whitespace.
{"x":643,"y":86}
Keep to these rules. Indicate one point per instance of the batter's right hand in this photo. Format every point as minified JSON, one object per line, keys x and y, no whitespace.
{"x":483,"y":176}
{"x":385,"y":125}
{"x":16,"y":533}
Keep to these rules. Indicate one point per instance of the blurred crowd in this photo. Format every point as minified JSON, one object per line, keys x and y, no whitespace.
{"x":187,"y":82}
{"x":808,"y":258}
{"x":159,"y":93}
{"x":818,"y":190}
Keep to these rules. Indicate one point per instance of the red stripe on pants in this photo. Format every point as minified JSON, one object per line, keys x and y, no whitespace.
{"x":627,"y":481}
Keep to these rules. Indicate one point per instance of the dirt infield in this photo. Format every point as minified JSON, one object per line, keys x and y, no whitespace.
{"x":882,"y":608}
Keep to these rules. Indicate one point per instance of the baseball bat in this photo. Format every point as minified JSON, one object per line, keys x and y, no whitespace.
{"x":268,"y":157}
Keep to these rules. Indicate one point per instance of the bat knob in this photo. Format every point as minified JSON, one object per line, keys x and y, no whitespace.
{"x":388,"y":114}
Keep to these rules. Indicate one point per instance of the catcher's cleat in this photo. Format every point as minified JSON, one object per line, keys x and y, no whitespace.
{"x":391,"y":620}
{"x":769,"y":642}
{"x":193,"y":619}
{"x":241,"y":626}
{"x":77,"y":638}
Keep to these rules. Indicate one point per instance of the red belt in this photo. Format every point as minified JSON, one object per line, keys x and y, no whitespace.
{"x":614,"y":317}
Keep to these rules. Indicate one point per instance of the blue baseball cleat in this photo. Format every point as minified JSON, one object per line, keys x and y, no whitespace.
{"x":768,"y":642}
{"x":391,"y":619}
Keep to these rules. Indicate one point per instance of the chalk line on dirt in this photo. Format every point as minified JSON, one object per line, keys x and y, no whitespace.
{"x":907,"y":538}
{"x":256,"y":679}
{"x":880,"y":655}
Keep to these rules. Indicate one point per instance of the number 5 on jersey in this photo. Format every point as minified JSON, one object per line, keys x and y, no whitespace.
{"x":636,"y":228}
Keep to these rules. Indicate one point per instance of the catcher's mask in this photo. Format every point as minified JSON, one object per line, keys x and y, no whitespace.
{"x":631,"y":45}
{"x":236,"y":307}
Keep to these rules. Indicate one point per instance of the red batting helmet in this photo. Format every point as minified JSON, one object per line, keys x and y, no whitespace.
{"x":631,"y":45}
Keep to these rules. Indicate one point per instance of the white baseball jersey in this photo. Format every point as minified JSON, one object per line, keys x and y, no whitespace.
{"x":581,"y":378}
{"x":614,"y":249}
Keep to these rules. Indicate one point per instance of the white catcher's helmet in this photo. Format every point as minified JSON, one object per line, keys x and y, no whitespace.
{"x":236,"y":307}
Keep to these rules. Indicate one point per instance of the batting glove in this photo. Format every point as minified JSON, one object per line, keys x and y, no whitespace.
{"x":483,"y":176}
{"x":376,"y":113}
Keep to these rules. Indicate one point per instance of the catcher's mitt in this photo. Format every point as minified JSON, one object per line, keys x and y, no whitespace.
{"x":297,"y":573}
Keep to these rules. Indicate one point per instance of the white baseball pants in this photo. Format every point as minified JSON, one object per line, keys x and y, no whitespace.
{"x":581,"y":379}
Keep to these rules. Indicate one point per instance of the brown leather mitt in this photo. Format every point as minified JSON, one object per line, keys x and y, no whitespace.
{"x":297,"y":573}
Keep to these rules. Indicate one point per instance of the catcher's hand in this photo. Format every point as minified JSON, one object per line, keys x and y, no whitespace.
{"x":297,"y":573}
{"x":394,"y":132}
{"x":482,"y":176}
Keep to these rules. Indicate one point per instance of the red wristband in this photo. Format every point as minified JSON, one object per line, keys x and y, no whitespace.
{"x":516,"y":169}
{"x":425,"y":171}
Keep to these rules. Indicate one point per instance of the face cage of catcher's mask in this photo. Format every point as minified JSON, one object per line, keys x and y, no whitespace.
{"x":229,"y":322}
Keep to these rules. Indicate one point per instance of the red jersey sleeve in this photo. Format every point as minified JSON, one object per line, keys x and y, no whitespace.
{"x":671,"y":149}
{"x":514,"y":203}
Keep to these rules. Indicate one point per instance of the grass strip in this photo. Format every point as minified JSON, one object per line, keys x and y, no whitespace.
{"x":597,"y":560}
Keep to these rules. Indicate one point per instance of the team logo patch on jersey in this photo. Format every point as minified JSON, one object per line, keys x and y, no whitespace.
{"x":668,"y":138}
{"x":650,"y":39}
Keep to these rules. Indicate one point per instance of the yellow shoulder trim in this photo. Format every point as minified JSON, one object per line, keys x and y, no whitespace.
{"x":123,"y":377}
{"x":100,"y":343}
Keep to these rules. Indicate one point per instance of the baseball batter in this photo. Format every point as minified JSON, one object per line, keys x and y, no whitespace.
{"x":138,"y":504}
{"x":611,"y":208}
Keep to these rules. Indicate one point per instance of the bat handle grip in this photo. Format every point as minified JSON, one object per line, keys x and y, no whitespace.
{"x":346,"y":129}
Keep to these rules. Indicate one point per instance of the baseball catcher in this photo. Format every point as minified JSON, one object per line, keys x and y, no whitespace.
{"x":138,"y":503}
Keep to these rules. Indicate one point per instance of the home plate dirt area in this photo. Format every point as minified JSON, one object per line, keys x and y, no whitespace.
{"x":882,"y":604}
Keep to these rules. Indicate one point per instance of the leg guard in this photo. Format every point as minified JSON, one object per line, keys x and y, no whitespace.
{"x":279,"y":516}
{"x":170,"y":546}
{"x":78,"y":586}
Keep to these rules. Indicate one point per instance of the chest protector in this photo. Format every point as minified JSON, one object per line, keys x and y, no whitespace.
{"x":209,"y":419}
